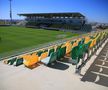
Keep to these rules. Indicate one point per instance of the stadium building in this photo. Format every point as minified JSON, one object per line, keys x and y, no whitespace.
{"x":57,"y":21}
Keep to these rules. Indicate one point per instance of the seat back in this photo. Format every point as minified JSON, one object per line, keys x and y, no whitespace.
{"x":19,"y":61}
{"x":43,"y":55}
{"x":63,"y":51}
{"x":87,"y":39}
{"x":30,"y":60}
{"x":74,"y":52}
{"x":26,"y":57}
{"x":74,"y":44}
{"x":39,"y":53}
{"x":74,"y":55}
{"x":11,"y":61}
{"x":81,"y":41}
{"x":68,"y":47}
{"x":87,"y":46}
{"x":58,"y":47}
{"x":53,"y":57}
{"x":50,"y":51}
{"x":81,"y":49}
{"x":59,"y":53}
{"x":93,"y":42}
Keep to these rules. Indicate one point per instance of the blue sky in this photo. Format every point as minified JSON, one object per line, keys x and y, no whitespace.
{"x":94,"y":10}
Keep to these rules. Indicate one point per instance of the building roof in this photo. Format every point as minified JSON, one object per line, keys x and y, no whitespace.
{"x":49,"y":15}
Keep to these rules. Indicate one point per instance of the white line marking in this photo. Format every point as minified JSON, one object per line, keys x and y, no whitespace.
{"x":97,"y":79}
{"x":101,"y":66}
{"x":97,"y":73}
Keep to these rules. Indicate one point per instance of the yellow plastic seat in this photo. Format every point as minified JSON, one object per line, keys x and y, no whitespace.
{"x":5,"y":61}
{"x":75,"y":44}
{"x":26,"y":57}
{"x":86,"y":40}
{"x":68,"y":47}
{"x":93,"y":43}
{"x":30,"y":60}
{"x":79,"y":39}
{"x":43,"y":55}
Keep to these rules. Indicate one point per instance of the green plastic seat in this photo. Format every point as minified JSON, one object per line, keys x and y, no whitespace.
{"x":39,"y":53}
{"x":81,"y":41}
{"x":46,"y":50}
{"x":50,"y":51}
{"x":59,"y":54}
{"x":77,"y":53}
{"x":11,"y":61}
{"x":87,"y":45}
{"x":74,"y":55}
{"x":52,"y":58}
{"x":58,"y":48}
{"x":63,"y":51}
{"x":81,"y":51}
{"x":72,"y":42}
{"x":19,"y":62}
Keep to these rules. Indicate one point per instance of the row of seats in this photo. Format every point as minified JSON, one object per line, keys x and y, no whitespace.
{"x":76,"y":49}
{"x":85,"y":27}
{"x":66,"y":26}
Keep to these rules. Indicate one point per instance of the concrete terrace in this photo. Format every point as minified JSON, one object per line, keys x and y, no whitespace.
{"x":60,"y":76}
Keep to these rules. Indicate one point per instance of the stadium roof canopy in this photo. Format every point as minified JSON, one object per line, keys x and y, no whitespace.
{"x":50,"y":15}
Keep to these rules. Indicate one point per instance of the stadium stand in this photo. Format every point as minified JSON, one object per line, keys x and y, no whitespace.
{"x":58,"y":21}
{"x":79,"y":50}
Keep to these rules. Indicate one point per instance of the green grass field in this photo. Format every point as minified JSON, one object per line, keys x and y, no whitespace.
{"x":14,"y":38}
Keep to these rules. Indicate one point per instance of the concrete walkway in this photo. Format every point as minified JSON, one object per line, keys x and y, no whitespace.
{"x":98,"y":71}
{"x":60,"y":76}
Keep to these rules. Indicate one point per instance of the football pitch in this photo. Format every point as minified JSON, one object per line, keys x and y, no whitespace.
{"x":14,"y":38}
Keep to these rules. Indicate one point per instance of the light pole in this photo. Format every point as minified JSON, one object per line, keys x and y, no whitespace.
{"x":10,"y":12}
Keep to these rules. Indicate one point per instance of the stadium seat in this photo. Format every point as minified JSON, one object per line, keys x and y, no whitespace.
{"x":81,"y":41}
{"x":74,"y":49}
{"x":75,"y":44}
{"x":77,"y":53}
{"x":81,"y":51}
{"x":12,"y":61}
{"x":19,"y":62}
{"x":74,"y":55}
{"x":58,"y":47}
{"x":43,"y":55}
{"x":87,"y":47}
{"x":30,"y":60}
{"x":50,"y":51}
{"x":68,"y":48}
{"x":87,"y":39}
{"x":61,"y":52}
{"x":39,"y":53}
{"x":50,"y":59}
{"x":72,"y":42}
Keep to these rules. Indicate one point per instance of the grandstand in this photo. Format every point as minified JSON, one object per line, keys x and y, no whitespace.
{"x":58,"y":21}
